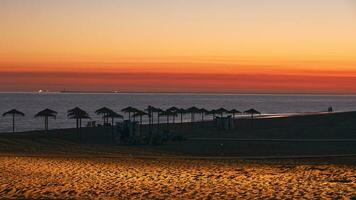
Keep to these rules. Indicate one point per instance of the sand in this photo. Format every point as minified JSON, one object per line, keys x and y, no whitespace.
{"x":138,"y":178}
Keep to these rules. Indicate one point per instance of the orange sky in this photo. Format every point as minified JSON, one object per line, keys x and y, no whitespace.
{"x":179,"y":46}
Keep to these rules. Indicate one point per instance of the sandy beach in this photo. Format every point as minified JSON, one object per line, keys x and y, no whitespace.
{"x":89,"y":178}
{"x":251,"y":164}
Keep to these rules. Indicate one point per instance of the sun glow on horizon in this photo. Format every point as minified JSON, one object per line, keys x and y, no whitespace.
{"x":277,"y":46}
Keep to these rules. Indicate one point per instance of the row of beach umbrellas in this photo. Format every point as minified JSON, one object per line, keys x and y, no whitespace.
{"x":133,"y":113}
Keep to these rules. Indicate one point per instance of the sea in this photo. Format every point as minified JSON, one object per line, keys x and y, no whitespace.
{"x":31,"y":103}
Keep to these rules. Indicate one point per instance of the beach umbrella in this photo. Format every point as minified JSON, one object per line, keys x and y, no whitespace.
{"x":221,"y":111}
{"x":203,"y":111}
{"x":174,"y":110}
{"x":252,"y":112}
{"x":168,"y":114}
{"x":140,"y":114}
{"x":104,"y":111}
{"x":151,"y":110}
{"x":46,"y":114}
{"x":13,"y":113}
{"x":181,"y":111}
{"x":212,"y":112}
{"x":193,"y":110}
{"x":234,"y":112}
{"x":78,"y":114}
{"x":113,"y":115}
{"x":129,"y":110}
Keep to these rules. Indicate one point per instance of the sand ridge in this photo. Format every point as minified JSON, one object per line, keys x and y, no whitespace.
{"x":133,"y":178}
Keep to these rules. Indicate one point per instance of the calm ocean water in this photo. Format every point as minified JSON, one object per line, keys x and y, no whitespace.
{"x":31,"y":103}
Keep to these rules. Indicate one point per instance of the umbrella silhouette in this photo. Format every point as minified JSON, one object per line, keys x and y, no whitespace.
{"x":104,"y":111}
{"x":78,"y":114}
{"x":46,"y":114}
{"x":181,"y":111}
{"x":129,"y":110}
{"x":252,"y":112}
{"x":234,"y":112}
{"x":151,"y":110}
{"x":13,"y":113}
{"x":221,"y":111}
{"x":167,"y":113}
{"x":140,"y":114}
{"x":112,"y":115}
{"x":193,"y":110}
{"x":212,"y":112}
{"x":174,"y":110}
{"x":203,"y":111}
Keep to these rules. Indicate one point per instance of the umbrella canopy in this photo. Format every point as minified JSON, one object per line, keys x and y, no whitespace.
{"x":221,"y":111}
{"x":234,"y":112}
{"x":252,"y":112}
{"x":129,"y":110}
{"x":77,"y":113}
{"x":140,"y":114}
{"x":203,"y":112}
{"x":181,"y":111}
{"x":193,"y":110}
{"x":46,"y":113}
{"x":13,"y":112}
{"x":173,"y":109}
{"x":150,"y":110}
{"x":103,"y":111}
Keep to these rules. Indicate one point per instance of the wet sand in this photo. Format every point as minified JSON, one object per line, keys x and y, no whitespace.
{"x":134,"y":178}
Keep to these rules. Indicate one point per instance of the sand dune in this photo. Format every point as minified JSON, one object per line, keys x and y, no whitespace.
{"x":85,"y":178}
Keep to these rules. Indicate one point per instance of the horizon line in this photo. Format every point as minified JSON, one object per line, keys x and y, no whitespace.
{"x":179,"y":92}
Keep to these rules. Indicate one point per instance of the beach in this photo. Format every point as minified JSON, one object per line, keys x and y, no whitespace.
{"x":127,"y":178}
{"x":300,"y":157}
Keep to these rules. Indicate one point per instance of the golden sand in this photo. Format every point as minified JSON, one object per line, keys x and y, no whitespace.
{"x":133,"y":178}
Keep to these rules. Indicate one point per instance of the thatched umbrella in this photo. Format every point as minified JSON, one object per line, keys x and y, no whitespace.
{"x":13,"y":113}
{"x":151,"y":110}
{"x":129,"y":110}
{"x":181,"y":111}
{"x":78,"y":114}
{"x":193,"y":110}
{"x":104,"y":111}
{"x":212,"y":112}
{"x":203,"y":112}
{"x":113,"y":115}
{"x":234,"y":112}
{"x":168,"y":114}
{"x":221,"y":111}
{"x":46,"y":114}
{"x":252,"y":112}
{"x":140,"y":114}
{"x":174,"y":110}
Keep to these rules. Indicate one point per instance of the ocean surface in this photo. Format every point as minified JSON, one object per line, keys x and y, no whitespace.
{"x":31,"y":103}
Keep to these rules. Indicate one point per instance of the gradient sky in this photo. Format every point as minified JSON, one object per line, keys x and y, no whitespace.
{"x":304,"y":46}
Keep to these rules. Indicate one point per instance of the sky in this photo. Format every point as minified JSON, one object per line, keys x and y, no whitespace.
{"x":232,"y":46}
